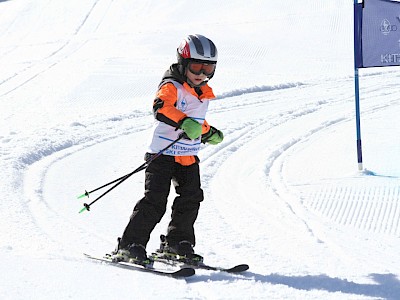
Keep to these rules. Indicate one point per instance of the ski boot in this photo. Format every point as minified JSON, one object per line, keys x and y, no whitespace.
{"x":182,"y":251}
{"x":133,"y":253}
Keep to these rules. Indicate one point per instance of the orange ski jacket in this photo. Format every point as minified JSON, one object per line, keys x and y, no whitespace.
{"x":176,"y":100}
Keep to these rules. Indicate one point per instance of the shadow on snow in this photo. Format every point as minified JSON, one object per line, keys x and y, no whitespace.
{"x":386,"y":286}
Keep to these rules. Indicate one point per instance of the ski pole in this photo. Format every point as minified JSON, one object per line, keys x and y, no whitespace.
{"x":125,"y":177}
{"x":86,"y":194}
{"x":144,"y":165}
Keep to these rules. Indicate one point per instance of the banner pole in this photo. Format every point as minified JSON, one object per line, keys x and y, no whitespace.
{"x":358,"y":120}
{"x":357,"y":63}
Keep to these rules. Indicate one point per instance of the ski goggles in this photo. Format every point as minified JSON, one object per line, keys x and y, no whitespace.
{"x":198,"y":68}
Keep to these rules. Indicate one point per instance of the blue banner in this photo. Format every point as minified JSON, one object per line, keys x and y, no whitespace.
{"x":380,"y":34}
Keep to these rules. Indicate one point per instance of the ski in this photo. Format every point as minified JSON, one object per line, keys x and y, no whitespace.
{"x":159,"y":257}
{"x":236,"y":269}
{"x":181,"y":273}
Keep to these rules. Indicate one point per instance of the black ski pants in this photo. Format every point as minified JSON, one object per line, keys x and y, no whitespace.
{"x":152,"y":207}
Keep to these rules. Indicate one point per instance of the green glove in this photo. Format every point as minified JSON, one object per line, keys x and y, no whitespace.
{"x":213,"y":136}
{"x":191,"y":127}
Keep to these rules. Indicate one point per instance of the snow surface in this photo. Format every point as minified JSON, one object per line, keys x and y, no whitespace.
{"x":283,"y":192}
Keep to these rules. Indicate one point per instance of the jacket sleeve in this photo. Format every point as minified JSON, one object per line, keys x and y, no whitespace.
{"x":164,"y":106}
{"x":205,"y":127}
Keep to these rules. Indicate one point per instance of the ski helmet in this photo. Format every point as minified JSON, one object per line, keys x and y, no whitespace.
{"x":197,"y":48}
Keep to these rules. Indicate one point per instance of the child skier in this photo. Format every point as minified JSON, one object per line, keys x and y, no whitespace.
{"x":180,"y":107}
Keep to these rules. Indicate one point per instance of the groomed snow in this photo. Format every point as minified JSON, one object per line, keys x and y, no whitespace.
{"x":283,"y":192}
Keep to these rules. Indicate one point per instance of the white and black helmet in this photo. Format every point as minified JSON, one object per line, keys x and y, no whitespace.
{"x":197,"y":48}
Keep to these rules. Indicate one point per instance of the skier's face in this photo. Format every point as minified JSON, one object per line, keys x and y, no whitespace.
{"x":195,"y":79}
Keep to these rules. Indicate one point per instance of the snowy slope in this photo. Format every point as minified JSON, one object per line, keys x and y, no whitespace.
{"x":283,"y":193}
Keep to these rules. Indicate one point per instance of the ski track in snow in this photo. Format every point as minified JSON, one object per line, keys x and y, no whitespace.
{"x":61,"y":51}
{"x":298,"y":205}
{"x":342,"y":204}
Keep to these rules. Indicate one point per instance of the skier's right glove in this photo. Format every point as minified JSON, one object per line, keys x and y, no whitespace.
{"x":191,"y":127}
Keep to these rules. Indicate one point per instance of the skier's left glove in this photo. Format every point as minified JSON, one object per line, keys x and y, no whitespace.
{"x":213,"y":136}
